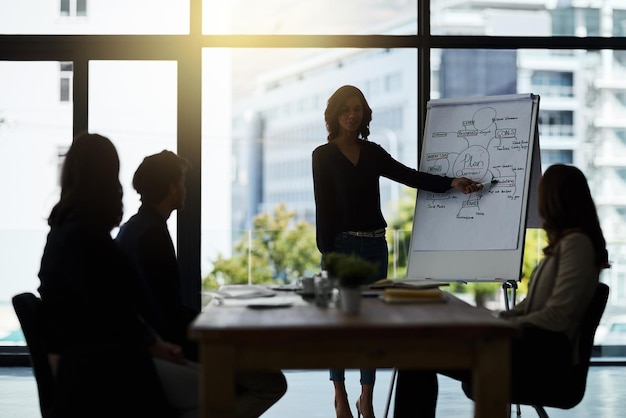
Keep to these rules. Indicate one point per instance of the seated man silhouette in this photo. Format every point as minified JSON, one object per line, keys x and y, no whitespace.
{"x":145,"y":239}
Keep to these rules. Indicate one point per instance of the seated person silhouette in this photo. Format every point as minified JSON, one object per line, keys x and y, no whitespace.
{"x":106,"y":359}
{"x":145,"y":239}
{"x":559,"y":292}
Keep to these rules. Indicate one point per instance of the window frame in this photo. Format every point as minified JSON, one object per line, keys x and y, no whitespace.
{"x":186,"y":50}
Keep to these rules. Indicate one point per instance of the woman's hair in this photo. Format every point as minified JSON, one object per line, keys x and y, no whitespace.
{"x":90,"y":187}
{"x":157,"y":173}
{"x":566,"y":205}
{"x":335,"y":107}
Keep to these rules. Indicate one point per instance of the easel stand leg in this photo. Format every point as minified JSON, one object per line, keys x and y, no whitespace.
{"x":509,"y":289}
{"x":391,"y":385}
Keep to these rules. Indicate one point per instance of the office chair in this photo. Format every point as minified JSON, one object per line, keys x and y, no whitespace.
{"x":571,"y":389}
{"x":98,"y":381}
{"x":26,"y":306}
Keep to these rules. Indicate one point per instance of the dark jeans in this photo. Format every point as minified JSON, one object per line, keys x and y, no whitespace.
{"x":540,"y":360}
{"x":372,"y":249}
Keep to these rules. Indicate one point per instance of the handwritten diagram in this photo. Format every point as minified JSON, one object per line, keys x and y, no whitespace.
{"x":483,"y":141}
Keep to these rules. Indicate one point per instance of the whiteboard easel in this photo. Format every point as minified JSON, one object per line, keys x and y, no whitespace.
{"x":480,"y":236}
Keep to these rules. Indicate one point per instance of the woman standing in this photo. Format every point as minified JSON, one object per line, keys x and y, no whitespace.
{"x":349,"y":219}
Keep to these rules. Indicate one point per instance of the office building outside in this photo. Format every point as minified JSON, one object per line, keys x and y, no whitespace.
{"x":581,"y":119}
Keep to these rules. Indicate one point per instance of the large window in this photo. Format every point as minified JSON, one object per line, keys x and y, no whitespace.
{"x":239,"y":88}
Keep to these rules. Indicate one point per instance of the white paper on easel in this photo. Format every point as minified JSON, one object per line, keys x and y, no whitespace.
{"x":484,"y":142}
{"x":478,"y":236}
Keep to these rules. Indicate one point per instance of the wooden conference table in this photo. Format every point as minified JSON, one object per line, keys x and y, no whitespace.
{"x":451,"y":335}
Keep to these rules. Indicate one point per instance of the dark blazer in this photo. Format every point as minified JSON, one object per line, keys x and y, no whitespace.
{"x":88,"y":317}
{"x":146,"y":241}
{"x":84,"y":290}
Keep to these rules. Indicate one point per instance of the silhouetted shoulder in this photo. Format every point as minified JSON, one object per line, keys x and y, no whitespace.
{"x":325,"y":150}
{"x":373,"y":147}
{"x":578,"y":242}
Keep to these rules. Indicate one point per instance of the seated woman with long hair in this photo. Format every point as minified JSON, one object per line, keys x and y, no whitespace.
{"x":559,"y":292}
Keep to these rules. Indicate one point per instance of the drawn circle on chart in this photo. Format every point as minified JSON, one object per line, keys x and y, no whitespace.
{"x":484,"y":118}
{"x":473,"y":163}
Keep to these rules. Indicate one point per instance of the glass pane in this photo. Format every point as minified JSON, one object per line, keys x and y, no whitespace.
{"x":527,"y":18}
{"x":269,"y":117}
{"x":310,"y":17}
{"x":133,"y":103}
{"x":65,"y":7}
{"x":81,"y":7}
{"x":83,"y":17}
{"x":484,"y":72}
{"x":35,"y":131}
{"x":581,"y":122}
{"x":217,"y":163}
{"x":474,"y":72}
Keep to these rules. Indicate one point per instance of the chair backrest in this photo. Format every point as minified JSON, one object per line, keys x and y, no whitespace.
{"x":588,"y":328}
{"x":26,"y":306}
{"x":572,"y":387}
{"x":90,"y":376}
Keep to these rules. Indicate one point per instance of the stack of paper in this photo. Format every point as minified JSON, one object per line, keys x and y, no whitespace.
{"x":253,"y":296}
{"x":392,"y":295}
{"x":407,"y":284}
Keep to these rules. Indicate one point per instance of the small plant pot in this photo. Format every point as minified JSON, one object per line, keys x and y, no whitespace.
{"x":350,"y":300}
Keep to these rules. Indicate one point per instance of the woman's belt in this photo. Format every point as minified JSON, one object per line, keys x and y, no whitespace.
{"x":368,"y":234}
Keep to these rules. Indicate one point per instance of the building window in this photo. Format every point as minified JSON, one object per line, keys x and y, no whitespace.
{"x":556,"y":156}
{"x":622,"y":213}
{"x":553,"y":83}
{"x":477,"y":72}
{"x":393,"y":82}
{"x":556,"y":123}
{"x":569,"y":21}
{"x":65,"y":81}
{"x":619,"y":22}
{"x":73,"y":8}
{"x":390,"y":118}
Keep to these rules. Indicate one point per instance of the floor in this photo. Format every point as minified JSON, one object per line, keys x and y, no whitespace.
{"x":310,"y":395}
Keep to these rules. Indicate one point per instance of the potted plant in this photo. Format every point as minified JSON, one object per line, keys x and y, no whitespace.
{"x":350,"y":271}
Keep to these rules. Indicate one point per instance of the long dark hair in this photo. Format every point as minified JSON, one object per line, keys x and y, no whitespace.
{"x":566,"y":205}
{"x":90,"y":187}
{"x":335,"y":105}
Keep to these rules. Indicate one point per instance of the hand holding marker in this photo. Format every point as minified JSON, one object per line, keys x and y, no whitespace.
{"x":489,"y":183}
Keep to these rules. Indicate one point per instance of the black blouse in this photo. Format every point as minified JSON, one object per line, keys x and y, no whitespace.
{"x":87,"y":288}
{"x":347,"y":196}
